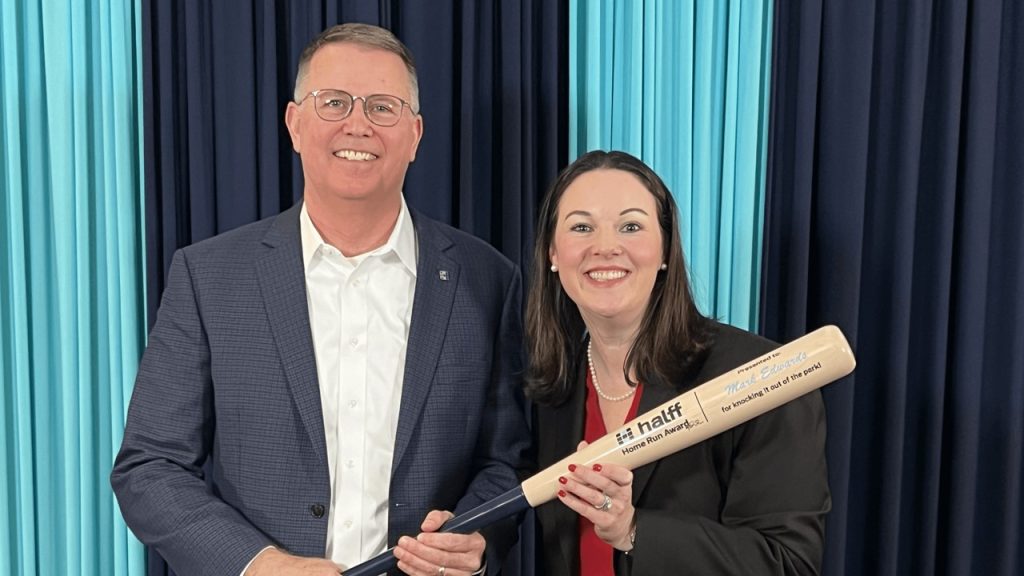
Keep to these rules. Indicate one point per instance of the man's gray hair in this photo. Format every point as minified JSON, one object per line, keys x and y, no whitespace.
{"x":364,"y":35}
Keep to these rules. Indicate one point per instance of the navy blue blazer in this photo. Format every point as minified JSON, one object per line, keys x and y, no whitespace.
{"x":229,"y":381}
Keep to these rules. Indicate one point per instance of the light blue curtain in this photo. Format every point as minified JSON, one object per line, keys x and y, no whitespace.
{"x":71,"y":287}
{"x":684,"y":85}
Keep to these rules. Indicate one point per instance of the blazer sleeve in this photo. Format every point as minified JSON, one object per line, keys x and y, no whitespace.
{"x":158,"y":476}
{"x":503,"y":444}
{"x":775,"y":498}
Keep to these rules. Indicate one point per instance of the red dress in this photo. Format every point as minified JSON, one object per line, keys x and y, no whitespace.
{"x":595,"y":554}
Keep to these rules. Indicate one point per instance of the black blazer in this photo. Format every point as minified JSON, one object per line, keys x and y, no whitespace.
{"x":751,"y":500}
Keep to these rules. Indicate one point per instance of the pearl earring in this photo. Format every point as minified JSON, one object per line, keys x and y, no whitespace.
{"x":664,"y":266}
{"x":554,"y":268}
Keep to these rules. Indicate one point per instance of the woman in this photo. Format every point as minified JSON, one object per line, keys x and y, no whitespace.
{"x":613,"y":332}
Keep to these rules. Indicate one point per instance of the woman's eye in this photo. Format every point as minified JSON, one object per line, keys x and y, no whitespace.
{"x":580,"y":228}
{"x":632,"y":227}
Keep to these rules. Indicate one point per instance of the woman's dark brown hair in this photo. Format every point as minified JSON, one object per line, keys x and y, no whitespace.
{"x":672,"y":334}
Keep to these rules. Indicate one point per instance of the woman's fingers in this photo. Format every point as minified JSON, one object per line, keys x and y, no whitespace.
{"x":585,"y":489}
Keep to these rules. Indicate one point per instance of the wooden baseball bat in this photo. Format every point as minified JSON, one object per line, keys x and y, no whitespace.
{"x":761,"y":385}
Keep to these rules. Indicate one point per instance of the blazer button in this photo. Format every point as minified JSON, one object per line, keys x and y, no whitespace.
{"x":317,"y":510}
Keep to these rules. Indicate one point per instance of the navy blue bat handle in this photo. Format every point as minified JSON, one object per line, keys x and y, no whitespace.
{"x":508,"y":504}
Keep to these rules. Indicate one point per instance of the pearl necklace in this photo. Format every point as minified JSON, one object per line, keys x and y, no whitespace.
{"x":593,"y":378}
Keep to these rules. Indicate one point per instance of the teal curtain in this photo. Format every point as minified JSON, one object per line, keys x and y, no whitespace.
{"x":684,"y":86}
{"x":72,"y":322}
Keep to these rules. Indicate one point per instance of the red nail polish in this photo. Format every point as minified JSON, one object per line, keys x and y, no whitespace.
{"x":561,"y":493}
{"x":572,"y":467}
{"x":562,"y":479}
{"x":597,"y":467}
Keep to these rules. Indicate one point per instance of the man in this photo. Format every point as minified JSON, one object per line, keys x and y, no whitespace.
{"x":346,"y":370}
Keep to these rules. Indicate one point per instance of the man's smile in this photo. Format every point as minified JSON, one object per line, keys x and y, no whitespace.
{"x":355,"y":155}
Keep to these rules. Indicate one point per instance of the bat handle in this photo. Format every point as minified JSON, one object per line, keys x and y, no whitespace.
{"x":379,"y":564}
{"x":508,"y":504}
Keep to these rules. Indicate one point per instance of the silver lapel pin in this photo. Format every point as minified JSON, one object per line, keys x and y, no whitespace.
{"x":443,"y":275}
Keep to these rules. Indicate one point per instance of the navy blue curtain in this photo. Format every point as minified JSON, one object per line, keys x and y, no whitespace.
{"x":896,"y":210}
{"x":217,"y":76}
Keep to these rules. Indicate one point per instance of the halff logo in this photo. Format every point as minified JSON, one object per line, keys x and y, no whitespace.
{"x":625,"y":437}
{"x":647,"y":426}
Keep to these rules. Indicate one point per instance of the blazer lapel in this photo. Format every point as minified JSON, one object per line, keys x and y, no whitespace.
{"x":283,"y":286}
{"x":437,"y":278}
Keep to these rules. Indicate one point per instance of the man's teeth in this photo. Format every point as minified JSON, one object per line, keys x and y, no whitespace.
{"x":353,"y":155}
{"x":605,"y":275}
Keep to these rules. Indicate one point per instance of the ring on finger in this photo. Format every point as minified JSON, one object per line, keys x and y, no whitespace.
{"x":441,"y":570}
{"x":605,"y":505}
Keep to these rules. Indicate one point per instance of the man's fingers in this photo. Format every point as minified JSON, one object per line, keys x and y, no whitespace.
{"x":435,"y":519}
{"x":459,"y":553}
{"x":452,"y":542}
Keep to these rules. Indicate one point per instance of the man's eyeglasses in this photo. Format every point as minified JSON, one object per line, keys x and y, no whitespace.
{"x":336,"y":105}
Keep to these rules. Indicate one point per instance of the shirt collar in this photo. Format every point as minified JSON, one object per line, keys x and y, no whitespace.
{"x":402,"y":240}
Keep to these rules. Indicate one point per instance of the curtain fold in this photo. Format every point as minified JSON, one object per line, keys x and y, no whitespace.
{"x":895,"y":209}
{"x":683,"y":85}
{"x":71,"y":300}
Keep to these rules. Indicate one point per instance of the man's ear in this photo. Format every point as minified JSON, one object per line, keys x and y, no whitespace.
{"x":292,"y":119}
{"x":418,"y":128}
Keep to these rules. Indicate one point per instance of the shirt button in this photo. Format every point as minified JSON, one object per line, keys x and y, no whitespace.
{"x":348,"y":524}
{"x":353,"y":342}
{"x":317,"y":510}
{"x":350,"y":463}
{"x":353,"y":404}
{"x":356,"y":283}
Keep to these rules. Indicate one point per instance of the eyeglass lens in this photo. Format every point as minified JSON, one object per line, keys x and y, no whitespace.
{"x":381,"y":109}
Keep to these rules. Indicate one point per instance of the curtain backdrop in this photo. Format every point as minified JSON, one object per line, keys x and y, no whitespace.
{"x":683,"y":85}
{"x":218,"y":75}
{"x":71,"y":300}
{"x":896,"y":210}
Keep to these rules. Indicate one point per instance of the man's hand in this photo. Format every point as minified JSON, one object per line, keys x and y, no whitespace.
{"x":440,"y":554}
{"x":273,"y":562}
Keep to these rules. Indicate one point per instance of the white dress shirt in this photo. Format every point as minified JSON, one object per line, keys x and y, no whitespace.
{"x":359,"y":310}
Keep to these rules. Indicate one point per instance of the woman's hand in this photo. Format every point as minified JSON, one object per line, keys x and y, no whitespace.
{"x":603,"y":494}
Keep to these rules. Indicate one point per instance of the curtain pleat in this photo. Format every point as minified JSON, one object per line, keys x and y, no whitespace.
{"x":72,"y":309}
{"x":896,"y":208}
{"x":684,"y":86}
